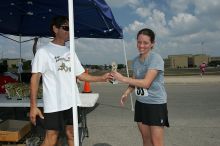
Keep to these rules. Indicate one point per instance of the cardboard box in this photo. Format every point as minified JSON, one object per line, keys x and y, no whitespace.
{"x":14,"y":130}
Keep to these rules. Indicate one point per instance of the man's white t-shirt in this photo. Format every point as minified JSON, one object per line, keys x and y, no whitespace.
{"x":53,"y":62}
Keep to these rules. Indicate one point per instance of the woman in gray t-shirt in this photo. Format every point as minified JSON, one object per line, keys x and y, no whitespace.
{"x":151,"y":112}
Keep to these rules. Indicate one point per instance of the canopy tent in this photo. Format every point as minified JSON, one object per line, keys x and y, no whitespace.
{"x":92,"y":19}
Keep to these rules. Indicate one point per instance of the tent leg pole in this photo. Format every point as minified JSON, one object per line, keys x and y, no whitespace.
{"x":126,"y":62}
{"x":72,"y":56}
{"x":20,"y":57}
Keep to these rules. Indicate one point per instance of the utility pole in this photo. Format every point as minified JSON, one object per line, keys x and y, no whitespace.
{"x":202,"y":45}
{"x":1,"y":53}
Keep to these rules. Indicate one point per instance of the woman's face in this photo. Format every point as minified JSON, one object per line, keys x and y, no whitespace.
{"x":144,"y":44}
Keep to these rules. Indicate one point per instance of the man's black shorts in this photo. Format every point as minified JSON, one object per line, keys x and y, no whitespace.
{"x":57,"y":120}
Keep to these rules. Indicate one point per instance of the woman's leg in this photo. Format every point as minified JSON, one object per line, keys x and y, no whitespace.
{"x":157,"y":135}
{"x":70,"y":135}
{"x":50,"y":138}
{"x":145,"y":133}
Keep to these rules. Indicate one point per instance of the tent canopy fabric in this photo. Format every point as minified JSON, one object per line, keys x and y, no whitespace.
{"x":92,"y":18}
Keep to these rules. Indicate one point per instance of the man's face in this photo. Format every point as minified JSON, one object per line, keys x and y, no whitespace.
{"x":63,"y":32}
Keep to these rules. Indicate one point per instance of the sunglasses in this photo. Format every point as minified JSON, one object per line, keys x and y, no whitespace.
{"x":66,"y":28}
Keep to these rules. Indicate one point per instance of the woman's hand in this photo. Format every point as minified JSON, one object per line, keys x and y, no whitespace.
{"x":117,"y":76}
{"x":123,"y":99}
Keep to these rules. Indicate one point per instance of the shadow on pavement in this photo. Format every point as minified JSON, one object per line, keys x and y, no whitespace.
{"x":90,"y":109}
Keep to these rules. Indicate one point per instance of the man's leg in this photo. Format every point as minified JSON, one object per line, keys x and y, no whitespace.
{"x":69,"y":135}
{"x":50,"y":138}
{"x":53,"y":124}
{"x":68,"y":117}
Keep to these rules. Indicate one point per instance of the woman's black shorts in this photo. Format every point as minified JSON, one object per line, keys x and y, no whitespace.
{"x":57,"y":120}
{"x":151,"y":114}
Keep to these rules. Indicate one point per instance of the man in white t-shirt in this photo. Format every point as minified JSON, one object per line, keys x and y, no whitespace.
{"x":52,"y":62}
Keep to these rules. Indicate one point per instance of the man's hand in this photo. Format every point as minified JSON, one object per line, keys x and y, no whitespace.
{"x":89,"y":78}
{"x":34,"y":112}
{"x":106,"y":77}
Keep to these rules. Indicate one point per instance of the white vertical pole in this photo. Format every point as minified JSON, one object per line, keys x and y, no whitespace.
{"x":20,"y":58}
{"x":20,"y":46}
{"x":126,"y":63}
{"x":72,"y":58}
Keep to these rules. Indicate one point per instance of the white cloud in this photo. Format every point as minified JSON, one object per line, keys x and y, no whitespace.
{"x":134,"y":27}
{"x":178,"y":5}
{"x":184,"y":23}
{"x":122,"y":3}
{"x":208,"y":12}
{"x":191,"y":44}
{"x":143,"y":12}
{"x":207,"y":7}
{"x":156,"y":21}
{"x":188,"y":29}
{"x":159,"y":17}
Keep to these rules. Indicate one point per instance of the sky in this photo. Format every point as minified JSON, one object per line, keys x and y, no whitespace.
{"x":181,"y":27}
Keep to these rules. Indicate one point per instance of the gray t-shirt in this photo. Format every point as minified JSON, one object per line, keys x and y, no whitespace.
{"x":156,"y":92}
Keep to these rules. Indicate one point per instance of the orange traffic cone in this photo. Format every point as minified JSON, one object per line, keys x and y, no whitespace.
{"x":87,"y":88}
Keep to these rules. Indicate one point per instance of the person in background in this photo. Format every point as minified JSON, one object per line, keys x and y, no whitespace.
{"x":202,"y":68}
{"x":6,"y":77}
{"x":151,"y":112}
{"x":52,"y":62}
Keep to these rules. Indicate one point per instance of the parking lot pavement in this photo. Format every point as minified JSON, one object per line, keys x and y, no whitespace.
{"x":193,"y":104}
{"x":193,"y":79}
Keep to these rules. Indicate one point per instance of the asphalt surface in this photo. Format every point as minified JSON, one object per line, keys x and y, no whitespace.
{"x":193,"y":105}
{"x":194,"y":114}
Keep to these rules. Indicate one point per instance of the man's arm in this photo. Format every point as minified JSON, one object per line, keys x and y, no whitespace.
{"x":34,"y":110}
{"x":90,"y":78}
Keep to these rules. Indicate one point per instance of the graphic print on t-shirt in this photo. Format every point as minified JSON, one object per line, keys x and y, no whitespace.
{"x":63,"y":62}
